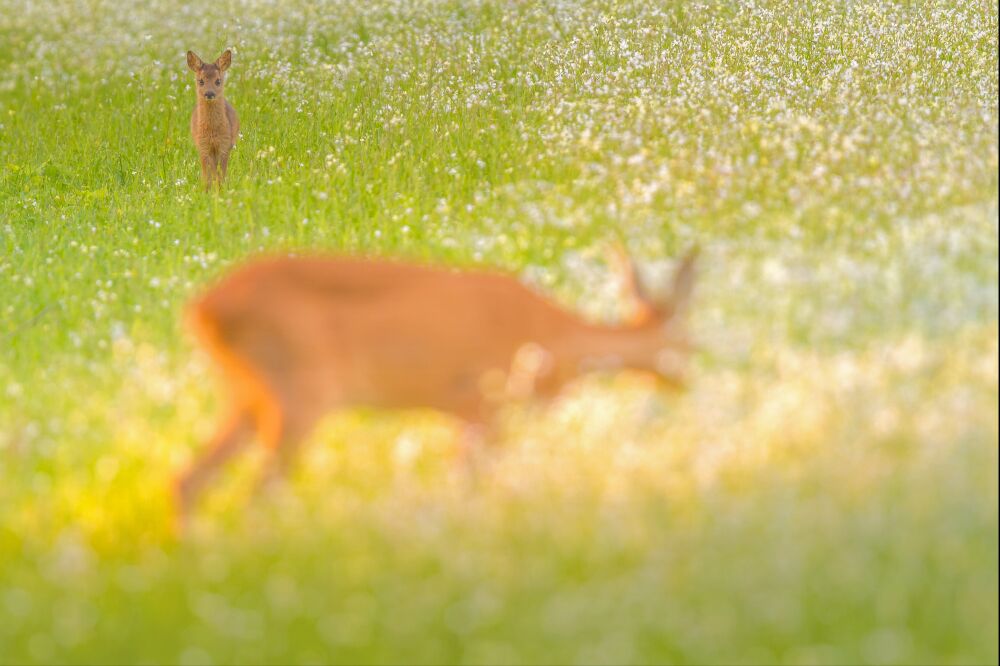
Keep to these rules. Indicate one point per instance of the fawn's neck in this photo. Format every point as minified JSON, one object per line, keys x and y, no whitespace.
{"x":212,"y":113}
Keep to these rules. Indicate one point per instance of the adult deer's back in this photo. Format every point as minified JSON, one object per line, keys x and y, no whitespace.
{"x":297,"y":337}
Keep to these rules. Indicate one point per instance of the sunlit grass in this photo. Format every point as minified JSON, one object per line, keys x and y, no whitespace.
{"x":824,"y":492}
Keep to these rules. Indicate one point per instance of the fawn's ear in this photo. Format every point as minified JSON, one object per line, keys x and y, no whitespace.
{"x":225,"y":60}
{"x":194,"y":62}
{"x":683,"y":285}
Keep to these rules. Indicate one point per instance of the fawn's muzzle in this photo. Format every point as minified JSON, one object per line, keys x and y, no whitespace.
{"x":210,"y":95}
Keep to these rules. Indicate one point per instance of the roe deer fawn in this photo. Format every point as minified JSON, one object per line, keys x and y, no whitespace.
{"x":214,"y":123}
{"x":296,"y":337}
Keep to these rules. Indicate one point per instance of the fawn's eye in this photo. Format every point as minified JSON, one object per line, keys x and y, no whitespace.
{"x":201,"y":82}
{"x":218,"y":82}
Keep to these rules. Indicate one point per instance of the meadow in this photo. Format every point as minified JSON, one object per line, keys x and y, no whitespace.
{"x":825,"y":490}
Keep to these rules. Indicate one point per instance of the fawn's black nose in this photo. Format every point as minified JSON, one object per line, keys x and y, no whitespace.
{"x":210,"y":95}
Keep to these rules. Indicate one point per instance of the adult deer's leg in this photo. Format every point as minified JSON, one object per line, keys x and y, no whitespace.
{"x":232,"y":435}
{"x":477,"y":432}
{"x":283,"y":428}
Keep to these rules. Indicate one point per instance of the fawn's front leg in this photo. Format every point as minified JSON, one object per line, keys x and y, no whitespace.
{"x":208,"y":169}
{"x":223,"y":166}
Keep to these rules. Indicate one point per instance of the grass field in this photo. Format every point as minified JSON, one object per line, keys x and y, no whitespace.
{"x":824,"y":492}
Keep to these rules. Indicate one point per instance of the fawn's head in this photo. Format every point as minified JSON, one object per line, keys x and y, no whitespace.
{"x":211,"y":76}
{"x":658,"y":339}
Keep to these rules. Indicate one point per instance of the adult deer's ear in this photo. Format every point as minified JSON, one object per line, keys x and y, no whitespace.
{"x":679,"y":300}
{"x":194,"y":62}
{"x":225,"y":60}
{"x":633,"y":294}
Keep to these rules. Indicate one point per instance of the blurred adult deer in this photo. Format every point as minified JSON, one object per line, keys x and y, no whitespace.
{"x":297,"y":337}
{"x":214,"y":123}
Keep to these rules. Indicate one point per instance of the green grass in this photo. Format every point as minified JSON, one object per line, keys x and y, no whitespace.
{"x":824,"y":492}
